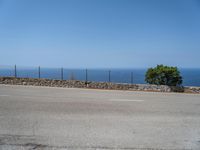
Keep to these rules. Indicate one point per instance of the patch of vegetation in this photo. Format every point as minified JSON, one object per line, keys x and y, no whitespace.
{"x":164,"y":75}
{"x":72,"y":76}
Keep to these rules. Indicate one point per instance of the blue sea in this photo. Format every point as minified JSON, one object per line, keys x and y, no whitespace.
{"x":191,"y":77}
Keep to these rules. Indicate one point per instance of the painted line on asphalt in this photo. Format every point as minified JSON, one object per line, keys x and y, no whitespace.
{"x":4,"y":95}
{"x":126,"y":100}
{"x":27,"y":96}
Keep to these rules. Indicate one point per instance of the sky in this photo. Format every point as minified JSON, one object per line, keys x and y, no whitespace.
{"x":100,"y":33}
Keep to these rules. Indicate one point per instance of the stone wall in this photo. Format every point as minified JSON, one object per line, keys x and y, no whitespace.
{"x":95,"y":85}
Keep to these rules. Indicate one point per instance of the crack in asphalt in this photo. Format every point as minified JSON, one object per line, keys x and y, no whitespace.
{"x":12,"y":140}
{"x":39,"y":146}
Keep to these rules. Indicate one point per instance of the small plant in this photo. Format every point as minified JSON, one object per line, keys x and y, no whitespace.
{"x":72,"y":76}
{"x":163,"y":75}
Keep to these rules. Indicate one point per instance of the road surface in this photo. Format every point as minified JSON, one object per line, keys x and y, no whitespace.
{"x":44,"y":118}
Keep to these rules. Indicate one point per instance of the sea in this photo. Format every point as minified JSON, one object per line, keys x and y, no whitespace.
{"x":191,"y":77}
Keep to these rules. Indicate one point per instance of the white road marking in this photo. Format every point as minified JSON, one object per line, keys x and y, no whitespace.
{"x":27,"y":96}
{"x":126,"y":100}
{"x":4,"y":95}
{"x":113,"y":100}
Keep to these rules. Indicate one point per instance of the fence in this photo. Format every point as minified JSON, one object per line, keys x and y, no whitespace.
{"x":191,"y":76}
{"x":98,"y":75}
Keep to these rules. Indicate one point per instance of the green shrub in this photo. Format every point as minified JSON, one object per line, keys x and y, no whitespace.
{"x":163,"y":75}
{"x":72,"y":76}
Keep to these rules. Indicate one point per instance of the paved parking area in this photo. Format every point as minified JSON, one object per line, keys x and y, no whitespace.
{"x":64,"y":118}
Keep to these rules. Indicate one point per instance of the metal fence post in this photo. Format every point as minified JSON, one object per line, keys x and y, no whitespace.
{"x":15,"y":71}
{"x":39,"y":72}
{"x":131,"y":77}
{"x":86,"y":75}
{"x":61,"y":73}
{"x":109,"y":76}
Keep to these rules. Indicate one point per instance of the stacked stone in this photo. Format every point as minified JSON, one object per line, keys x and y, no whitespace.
{"x":95,"y":85}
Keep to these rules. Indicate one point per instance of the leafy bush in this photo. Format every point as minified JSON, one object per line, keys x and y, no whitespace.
{"x":163,"y":75}
{"x":72,"y":76}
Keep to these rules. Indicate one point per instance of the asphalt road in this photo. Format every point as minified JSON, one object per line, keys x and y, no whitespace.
{"x":61,"y":118}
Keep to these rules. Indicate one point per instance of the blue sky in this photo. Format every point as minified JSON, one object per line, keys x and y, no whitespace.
{"x":100,"y":33}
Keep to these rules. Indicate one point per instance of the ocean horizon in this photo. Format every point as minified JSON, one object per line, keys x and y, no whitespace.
{"x":191,"y":76}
